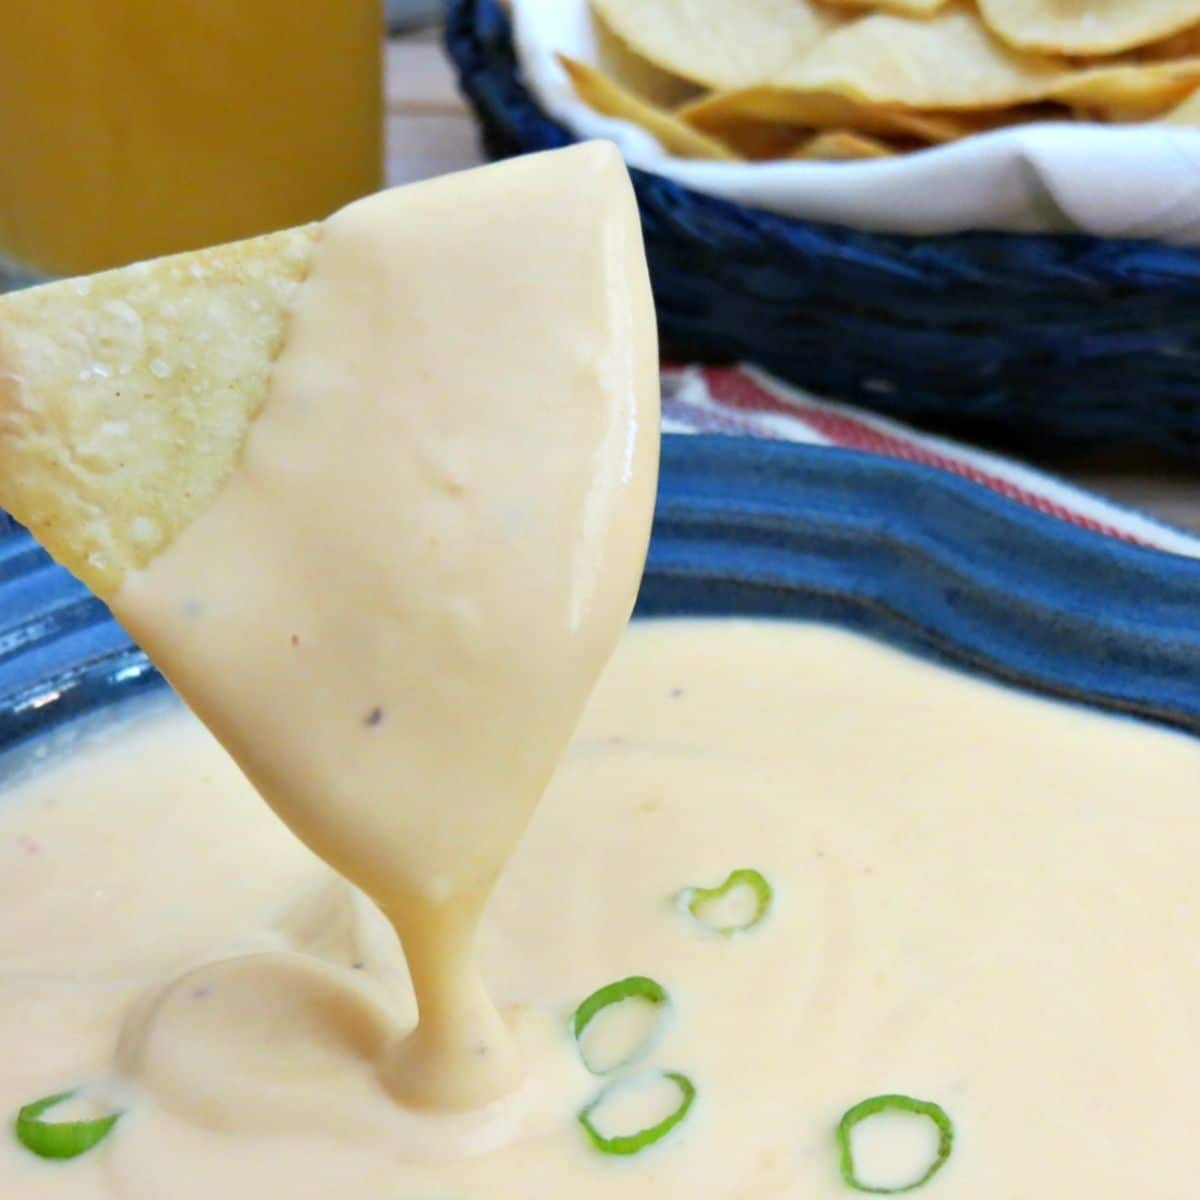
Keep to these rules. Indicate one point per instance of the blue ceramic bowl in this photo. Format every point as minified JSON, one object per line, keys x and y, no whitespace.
{"x":908,"y":554}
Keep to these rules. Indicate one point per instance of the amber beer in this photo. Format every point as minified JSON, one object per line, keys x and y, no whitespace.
{"x":131,"y":128}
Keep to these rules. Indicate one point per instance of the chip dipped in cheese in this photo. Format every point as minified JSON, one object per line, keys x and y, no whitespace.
{"x":125,"y":397}
{"x":376,"y":497}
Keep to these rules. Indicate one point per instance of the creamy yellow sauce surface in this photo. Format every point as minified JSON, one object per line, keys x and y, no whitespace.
{"x":980,"y":899}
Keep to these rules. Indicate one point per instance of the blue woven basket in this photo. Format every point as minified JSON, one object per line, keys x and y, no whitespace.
{"x":1030,"y":341}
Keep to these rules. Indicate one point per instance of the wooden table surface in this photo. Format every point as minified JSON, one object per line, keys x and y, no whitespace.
{"x":430,"y":132}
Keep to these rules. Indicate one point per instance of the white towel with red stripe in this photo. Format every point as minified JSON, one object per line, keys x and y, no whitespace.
{"x":744,"y":401}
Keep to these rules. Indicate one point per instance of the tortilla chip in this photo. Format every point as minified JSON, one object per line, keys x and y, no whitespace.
{"x":843,"y":145}
{"x":947,"y":62}
{"x":756,"y":139}
{"x":637,"y":74}
{"x":1187,"y":113}
{"x":906,"y":8}
{"x":125,"y":397}
{"x":1185,"y":44}
{"x":728,"y":115}
{"x":719,"y":43}
{"x":1129,"y":91}
{"x":1083,"y":27}
{"x":606,"y":96}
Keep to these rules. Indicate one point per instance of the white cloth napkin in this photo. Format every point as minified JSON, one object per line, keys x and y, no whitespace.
{"x":1121,"y":181}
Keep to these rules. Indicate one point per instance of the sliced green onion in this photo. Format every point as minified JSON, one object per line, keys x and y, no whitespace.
{"x":636,"y":987}
{"x":694,"y":900}
{"x":892,"y":1103}
{"x":635,"y":1143}
{"x":61,"y":1139}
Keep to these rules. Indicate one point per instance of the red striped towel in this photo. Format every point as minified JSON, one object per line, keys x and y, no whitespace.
{"x":745,"y":401}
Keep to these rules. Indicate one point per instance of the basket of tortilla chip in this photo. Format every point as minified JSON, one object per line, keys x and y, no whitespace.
{"x":826,"y":188}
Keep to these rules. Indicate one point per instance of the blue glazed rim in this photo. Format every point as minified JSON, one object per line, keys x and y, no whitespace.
{"x":905,"y":553}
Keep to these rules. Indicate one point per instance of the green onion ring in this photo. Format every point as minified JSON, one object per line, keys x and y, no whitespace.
{"x":693,"y":899}
{"x":634,"y":1143}
{"x":63,"y":1139}
{"x":638,"y":987}
{"x":893,"y":1103}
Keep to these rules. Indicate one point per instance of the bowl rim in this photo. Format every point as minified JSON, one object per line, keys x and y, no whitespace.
{"x":908,"y":554}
